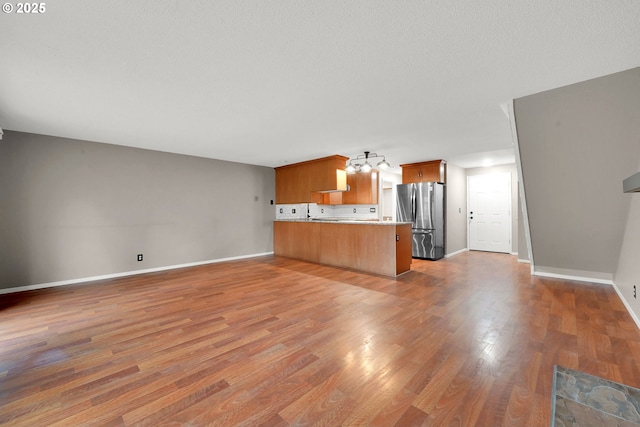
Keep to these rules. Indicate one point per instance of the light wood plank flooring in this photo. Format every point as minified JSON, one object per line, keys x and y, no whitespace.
{"x":466,"y":341}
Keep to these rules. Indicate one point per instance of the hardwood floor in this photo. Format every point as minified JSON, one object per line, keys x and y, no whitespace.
{"x":466,"y":341}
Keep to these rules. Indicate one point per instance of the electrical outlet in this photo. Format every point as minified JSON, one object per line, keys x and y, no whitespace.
{"x":139,"y":257}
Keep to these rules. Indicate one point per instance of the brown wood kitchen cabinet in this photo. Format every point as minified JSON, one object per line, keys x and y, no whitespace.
{"x":306,"y":182}
{"x":432,"y":171}
{"x":379,"y":248}
{"x":363,"y":189}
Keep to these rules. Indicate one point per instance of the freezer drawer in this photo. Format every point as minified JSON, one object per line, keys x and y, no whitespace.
{"x":426,"y":245}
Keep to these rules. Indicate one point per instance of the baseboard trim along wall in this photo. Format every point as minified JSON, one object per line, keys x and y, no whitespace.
{"x":580,"y":276}
{"x":467,"y":249}
{"x":627,"y":306}
{"x":126,"y":273}
{"x":456,"y":253}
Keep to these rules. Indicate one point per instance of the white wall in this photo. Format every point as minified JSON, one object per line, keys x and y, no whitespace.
{"x":456,"y":216}
{"x":388,"y":198}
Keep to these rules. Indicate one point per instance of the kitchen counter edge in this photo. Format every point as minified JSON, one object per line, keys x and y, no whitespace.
{"x":357,"y":222}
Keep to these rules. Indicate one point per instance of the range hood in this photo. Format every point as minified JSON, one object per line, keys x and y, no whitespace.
{"x":632,"y":184}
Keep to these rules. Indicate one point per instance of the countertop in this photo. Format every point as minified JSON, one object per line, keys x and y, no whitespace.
{"x":344,"y":221}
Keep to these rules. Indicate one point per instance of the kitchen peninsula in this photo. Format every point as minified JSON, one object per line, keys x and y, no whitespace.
{"x":378,"y":247}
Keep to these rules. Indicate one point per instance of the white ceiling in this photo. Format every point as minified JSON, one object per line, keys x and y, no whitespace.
{"x":275,"y":82}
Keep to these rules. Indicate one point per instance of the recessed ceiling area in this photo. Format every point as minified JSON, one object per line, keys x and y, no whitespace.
{"x":270,"y":83}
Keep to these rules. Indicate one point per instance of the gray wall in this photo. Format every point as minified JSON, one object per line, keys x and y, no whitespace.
{"x":73,"y":209}
{"x":512,"y":170}
{"x":628,"y":272}
{"x":456,"y":228}
{"x":577,"y":144}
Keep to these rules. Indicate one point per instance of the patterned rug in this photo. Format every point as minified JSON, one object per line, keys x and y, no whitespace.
{"x":582,"y":400}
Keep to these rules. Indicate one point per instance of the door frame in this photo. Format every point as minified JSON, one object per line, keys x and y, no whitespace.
{"x":509,"y":178}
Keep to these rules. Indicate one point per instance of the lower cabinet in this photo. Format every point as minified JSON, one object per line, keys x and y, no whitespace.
{"x":403,"y":249}
{"x":374,"y":248}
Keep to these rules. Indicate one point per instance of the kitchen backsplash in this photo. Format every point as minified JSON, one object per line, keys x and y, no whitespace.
{"x":313,"y":210}
{"x":294,"y":211}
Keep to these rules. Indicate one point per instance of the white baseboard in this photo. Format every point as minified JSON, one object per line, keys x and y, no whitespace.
{"x":124,"y":274}
{"x":572,"y":277}
{"x":467,"y":250}
{"x":600,"y":280}
{"x":526,"y":261}
{"x":456,"y":253}
{"x":627,"y":306}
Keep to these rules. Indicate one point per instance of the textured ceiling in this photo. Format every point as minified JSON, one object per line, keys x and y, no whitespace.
{"x":275,"y":82}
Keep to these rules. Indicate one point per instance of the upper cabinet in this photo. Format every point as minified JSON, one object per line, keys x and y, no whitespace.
{"x":363,"y":189}
{"x":307,"y":182}
{"x":324,"y":181}
{"x":432,"y":171}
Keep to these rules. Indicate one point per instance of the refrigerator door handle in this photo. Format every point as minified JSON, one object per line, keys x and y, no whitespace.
{"x":413,"y":204}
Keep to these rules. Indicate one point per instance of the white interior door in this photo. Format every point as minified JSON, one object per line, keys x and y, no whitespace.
{"x":489,"y":212}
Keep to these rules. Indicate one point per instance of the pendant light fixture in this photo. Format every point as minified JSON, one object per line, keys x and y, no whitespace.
{"x":354,"y":164}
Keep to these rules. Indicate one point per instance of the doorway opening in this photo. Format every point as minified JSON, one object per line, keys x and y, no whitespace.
{"x":489,"y":212}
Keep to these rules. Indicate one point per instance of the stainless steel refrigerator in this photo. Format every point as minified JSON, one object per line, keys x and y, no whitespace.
{"x":422,"y":204}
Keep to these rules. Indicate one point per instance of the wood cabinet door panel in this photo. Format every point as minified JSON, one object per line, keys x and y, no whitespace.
{"x":432,"y":171}
{"x":349,"y":197}
{"x":411,"y":174}
{"x":363,"y":189}
{"x":291,"y":185}
{"x":403,"y":248}
{"x":296,"y":240}
{"x":296,"y":183}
